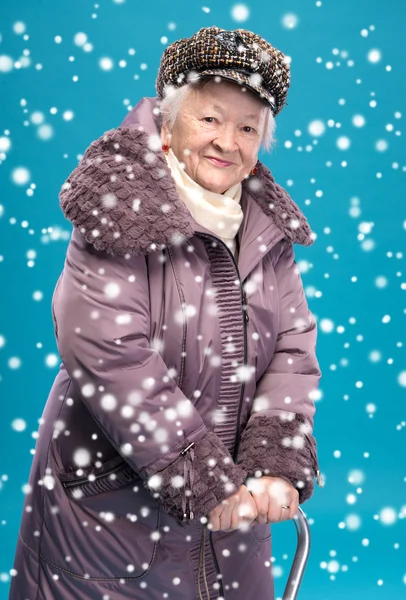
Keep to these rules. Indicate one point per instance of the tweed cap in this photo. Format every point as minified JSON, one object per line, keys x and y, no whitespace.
{"x":240,"y":55}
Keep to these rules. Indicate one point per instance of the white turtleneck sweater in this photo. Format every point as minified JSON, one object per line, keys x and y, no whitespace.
{"x":220,"y":213}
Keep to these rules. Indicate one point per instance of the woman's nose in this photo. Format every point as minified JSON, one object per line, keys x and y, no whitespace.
{"x":226,"y":140}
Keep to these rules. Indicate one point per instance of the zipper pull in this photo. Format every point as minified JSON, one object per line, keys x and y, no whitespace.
{"x":313,"y":451}
{"x":183,"y":452}
{"x":187,"y":500}
{"x":184,"y":498}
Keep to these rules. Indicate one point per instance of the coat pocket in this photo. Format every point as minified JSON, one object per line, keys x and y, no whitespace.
{"x":112,"y":475}
{"x":108,"y":524}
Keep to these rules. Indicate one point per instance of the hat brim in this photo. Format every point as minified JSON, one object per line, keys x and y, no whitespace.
{"x":240,"y":77}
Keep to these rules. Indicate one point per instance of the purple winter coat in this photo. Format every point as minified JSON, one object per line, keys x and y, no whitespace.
{"x":177,"y":362}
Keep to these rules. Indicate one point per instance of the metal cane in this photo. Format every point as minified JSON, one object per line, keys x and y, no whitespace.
{"x":301,"y":557}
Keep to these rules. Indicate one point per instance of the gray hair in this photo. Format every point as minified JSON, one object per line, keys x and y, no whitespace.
{"x":171,"y":104}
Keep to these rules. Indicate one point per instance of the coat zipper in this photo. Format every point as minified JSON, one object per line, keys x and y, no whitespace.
{"x":245,"y":321}
{"x":213,"y":553}
{"x":76,"y":482}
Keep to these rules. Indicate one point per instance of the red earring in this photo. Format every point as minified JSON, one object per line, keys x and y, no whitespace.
{"x":253,"y":170}
{"x":165,"y":148}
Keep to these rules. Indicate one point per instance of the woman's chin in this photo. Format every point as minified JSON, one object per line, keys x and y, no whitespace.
{"x":216,"y":183}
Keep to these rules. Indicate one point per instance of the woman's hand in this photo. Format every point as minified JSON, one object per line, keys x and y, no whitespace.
{"x":269,"y":493}
{"x":236,"y":512}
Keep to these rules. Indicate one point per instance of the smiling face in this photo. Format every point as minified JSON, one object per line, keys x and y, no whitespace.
{"x":217,"y":121}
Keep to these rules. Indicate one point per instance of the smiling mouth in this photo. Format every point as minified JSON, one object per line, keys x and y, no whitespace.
{"x":218,"y":162}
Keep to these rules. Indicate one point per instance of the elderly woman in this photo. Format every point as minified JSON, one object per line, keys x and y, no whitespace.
{"x":180,"y":423}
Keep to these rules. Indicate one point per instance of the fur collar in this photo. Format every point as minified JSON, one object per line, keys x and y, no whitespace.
{"x":123,"y":198}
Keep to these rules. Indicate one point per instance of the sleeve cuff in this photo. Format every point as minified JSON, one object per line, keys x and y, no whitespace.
{"x":282,"y":448}
{"x":210,"y":475}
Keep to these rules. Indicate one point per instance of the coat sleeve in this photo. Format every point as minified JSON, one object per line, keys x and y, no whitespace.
{"x":277,"y":439}
{"x":102,"y":324}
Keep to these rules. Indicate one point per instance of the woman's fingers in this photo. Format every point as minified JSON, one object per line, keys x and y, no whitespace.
{"x":214,"y":519}
{"x":241,"y":511}
{"x":226,"y":514}
{"x":285,"y":514}
{"x":270,"y":493}
{"x":267,"y":501}
{"x":246,"y":511}
{"x":235,"y":519}
{"x":276,"y":512}
{"x":294,"y":506}
{"x":235,"y":512}
{"x":220,"y":517}
{"x":262,"y":503}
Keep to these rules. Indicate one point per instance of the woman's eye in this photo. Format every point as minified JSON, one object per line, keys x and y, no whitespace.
{"x":248,"y":127}
{"x":205,"y":119}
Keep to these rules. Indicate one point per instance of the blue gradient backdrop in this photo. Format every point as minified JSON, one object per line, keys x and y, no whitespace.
{"x":341,"y":156}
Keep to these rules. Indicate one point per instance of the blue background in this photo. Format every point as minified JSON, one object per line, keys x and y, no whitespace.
{"x":359,"y":218}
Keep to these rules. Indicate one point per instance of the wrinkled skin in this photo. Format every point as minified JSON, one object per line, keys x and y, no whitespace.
{"x":232,"y":132}
{"x":260,"y":502}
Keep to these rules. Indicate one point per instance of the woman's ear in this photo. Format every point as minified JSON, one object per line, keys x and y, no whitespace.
{"x":165,"y":135}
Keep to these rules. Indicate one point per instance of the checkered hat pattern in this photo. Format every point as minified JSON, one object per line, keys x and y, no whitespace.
{"x":239,"y":55}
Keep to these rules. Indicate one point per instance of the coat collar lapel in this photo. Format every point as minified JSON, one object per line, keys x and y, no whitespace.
{"x":273,"y":200}
{"x":162,"y":218}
